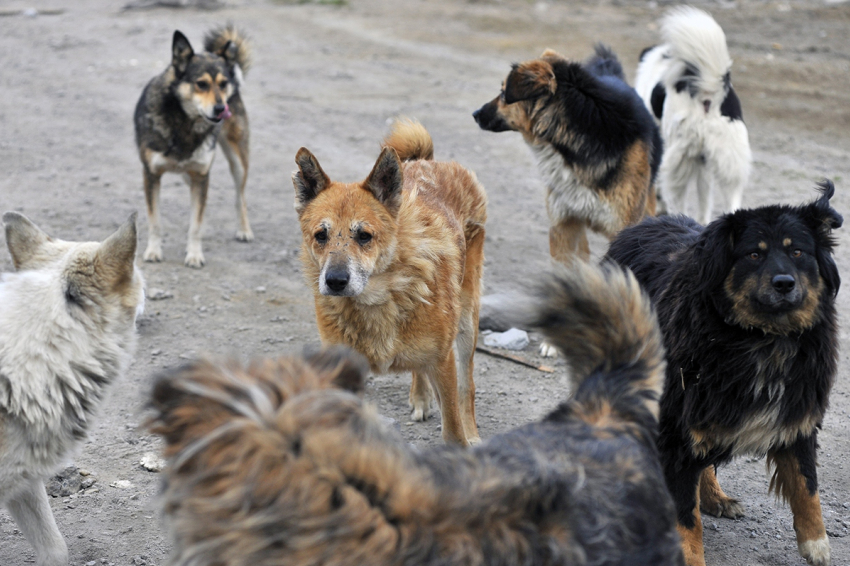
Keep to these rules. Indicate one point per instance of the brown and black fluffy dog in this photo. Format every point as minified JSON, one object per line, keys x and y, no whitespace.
{"x":395,"y":266}
{"x":180,"y":116}
{"x":597,"y":146}
{"x":275,"y":464}
{"x":747,"y":307}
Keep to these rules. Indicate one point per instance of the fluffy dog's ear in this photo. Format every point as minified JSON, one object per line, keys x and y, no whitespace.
{"x":348,"y":368}
{"x":181,"y":52}
{"x":529,"y":80}
{"x":117,"y":254}
{"x":713,"y":252}
{"x":386,"y":180}
{"x":23,"y":238}
{"x":309,"y":180}
{"x":821,"y":218}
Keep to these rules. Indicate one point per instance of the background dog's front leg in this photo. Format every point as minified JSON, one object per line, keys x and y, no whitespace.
{"x":443,"y":381}
{"x":153,"y":252}
{"x":713,"y":500}
{"x":568,"y":240}
{"x":683,"y":482}
{"x":199,"y":185}
{"x":234,"y":145}
{"x":31,"y":511}
{"x":420,"y":397}
{"x":795,"y":479}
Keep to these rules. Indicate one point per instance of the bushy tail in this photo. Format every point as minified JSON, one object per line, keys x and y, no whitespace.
{"x":280,"y":455}
{"x":230,"y":43}
{"x":410,"y":139}
{"x":604,"y":324}
{"x":697,"y":40}
{"x":604,"y":62}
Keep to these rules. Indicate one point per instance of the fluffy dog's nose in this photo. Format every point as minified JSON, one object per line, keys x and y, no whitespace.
{"x":337,"y":280}
{"x":476,"y":114}
{"x":218,"y":109}
{"x":783,"y":283}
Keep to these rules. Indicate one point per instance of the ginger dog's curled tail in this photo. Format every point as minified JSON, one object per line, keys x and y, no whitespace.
{"x":230,"y":43}
{"x":605,"y":326}
{"x":410,"y":140}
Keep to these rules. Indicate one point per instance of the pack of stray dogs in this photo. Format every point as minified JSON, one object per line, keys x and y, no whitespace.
{"x":691,"y":343}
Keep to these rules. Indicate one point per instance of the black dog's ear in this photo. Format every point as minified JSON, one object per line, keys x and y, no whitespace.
{"x":821,"y":218}
{"x":713,"y":252}
{"x":181,"y":52}
{"x":309,"y":180}
{"x":529,"y":80}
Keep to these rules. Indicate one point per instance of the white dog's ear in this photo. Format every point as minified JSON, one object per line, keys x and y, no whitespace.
{"x":386,"y":180}
{"x":116,"y":256}
{"x":309,"y":180}
{"x":23,"y":238}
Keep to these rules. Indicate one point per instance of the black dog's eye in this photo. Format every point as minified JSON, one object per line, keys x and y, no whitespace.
{"x":797,"y":253}
{"x":754,"y":255}
{"x":202,"y":85}
{"x":322,"y":236}
{"x":364,"y":237}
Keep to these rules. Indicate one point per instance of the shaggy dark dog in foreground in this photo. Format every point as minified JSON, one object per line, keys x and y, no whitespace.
{"x":283,"y":463}
{"x":747,"y":309}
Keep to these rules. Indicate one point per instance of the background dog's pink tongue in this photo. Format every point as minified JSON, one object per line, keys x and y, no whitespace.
{"x":225,"y":114}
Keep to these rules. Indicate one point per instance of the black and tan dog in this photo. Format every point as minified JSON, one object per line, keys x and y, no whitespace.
{"x":597,"y":146}
{"x":282,"y":463}
{"x":747,"y":307}
{"x":180,"y":117}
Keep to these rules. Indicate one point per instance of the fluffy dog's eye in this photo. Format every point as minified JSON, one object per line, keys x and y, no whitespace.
{"x":202,"y":85}
{"x":796,"y":253}
{"x":222,"y":84}
{"x":754,"y":255}
{"x":322,"y":236}
{"x":364,"y":237}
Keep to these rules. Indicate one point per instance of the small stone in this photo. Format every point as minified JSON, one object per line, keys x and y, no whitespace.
{"x":260,"y":289}
{"x":64,"y":483}
{"x":121,"y":484}
{"x":159,"y":294}
{"x":91,"y":563}
{"x":152,"y":462}
{"x":513,"y":339}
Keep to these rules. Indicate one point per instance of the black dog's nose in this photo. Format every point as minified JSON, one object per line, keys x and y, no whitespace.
{"x":336,"y":280}
{"x":476,"y":114}
{"x":218,"y":109}
{"x":783,"y":283}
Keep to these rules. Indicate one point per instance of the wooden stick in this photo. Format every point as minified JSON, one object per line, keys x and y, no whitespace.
{"x":514,"y":358}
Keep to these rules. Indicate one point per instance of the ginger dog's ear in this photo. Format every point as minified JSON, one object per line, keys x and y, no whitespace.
{"x":386,"y":180}
{"x":309,"y":180}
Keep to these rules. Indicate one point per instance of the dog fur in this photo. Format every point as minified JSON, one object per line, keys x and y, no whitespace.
{"x":747,"y":308}
{"x":597,"y":147}
{"x":67,"y":331}
{"x":686,"y":84}
{"x":395,"y":265}
{"x":274,"y":464}
{"x":180,"y":117}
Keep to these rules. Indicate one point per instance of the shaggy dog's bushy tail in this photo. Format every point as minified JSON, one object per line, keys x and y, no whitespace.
{"x":604,"y":62}
{"x":604,"y":324}
{"x":410,"y":140}
{"x":239,"y":50}
{"x":697,"y":40}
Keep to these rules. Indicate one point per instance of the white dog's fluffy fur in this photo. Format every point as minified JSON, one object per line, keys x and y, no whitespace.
{"x":67,"y":330}
{"x":685,"y":82}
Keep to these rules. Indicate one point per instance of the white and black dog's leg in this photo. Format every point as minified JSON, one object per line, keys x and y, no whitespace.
{"x":705,"y":195}
{"x":31,"y":511}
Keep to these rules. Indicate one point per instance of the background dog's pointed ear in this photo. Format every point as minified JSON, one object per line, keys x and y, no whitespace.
{"x":116,"y":256}
{"x":181,"y":52}
{"x":530,"y":80}
{"x":309,"y":180}
{"x":23,"y":238}
{"x":386,"y":180}
{"x":347,"y":368}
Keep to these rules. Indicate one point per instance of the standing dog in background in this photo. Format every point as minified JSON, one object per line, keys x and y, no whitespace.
{"x":395,"y":265}
{"x":180,"y":116}
{"x":282,"y":463}
{"x":747,"y":308}
{"x":597,"y":147}
{"x":686,"y":83}
{"x":67,"y":331}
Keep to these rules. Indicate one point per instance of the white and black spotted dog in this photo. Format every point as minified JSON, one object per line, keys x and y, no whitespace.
{"x":686,"y":84}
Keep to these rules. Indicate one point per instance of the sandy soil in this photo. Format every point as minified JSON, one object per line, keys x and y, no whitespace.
{"x":329,"y":77}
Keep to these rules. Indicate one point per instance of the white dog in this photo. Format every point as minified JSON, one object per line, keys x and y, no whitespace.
{"x":67,"y":330}
{"x":686,"y":84}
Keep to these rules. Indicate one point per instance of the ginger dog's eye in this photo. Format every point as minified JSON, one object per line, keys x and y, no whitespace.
{"x":322,"y":236}
{"x":364,"y":238}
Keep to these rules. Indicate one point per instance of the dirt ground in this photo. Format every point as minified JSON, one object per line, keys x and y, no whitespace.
{"x":329,"y":76}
